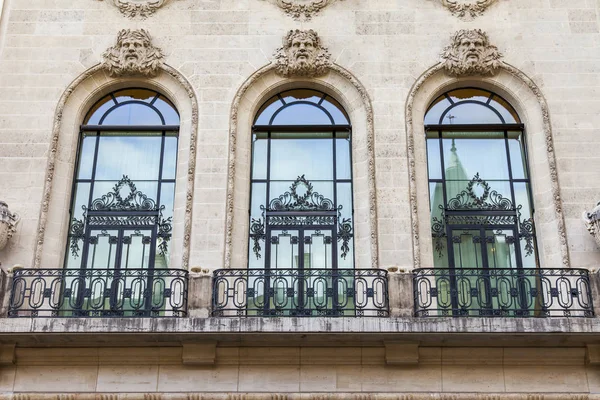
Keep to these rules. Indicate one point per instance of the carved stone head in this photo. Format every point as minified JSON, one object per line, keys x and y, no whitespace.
{"x":133,"y":54}
{"x":471,"y":53}
{"x":302,"y":55}
{"x":134,"y":8}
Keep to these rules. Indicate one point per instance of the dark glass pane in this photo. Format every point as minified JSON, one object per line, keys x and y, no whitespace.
{"x":463,"y":158}
{"x":436,"y":198}
{"x":517,"y":157}
{"x":503,"y":107}
{"x":132,"y":114}
{"x":168,"y":111}
{"x":291,"y":158}
{"x":170,"y":158}
{"x":167,"y":199}
{"x":135,"y":156}
{"x":434,"y":162}
{"x":86,"y":157}
{"x":302,"y":114}
{"x":259,"y":159}
{"x":344,"y":167}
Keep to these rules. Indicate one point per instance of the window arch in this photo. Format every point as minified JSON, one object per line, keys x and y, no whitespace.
{"x":482,"y":215}
{"x":123,"y":193}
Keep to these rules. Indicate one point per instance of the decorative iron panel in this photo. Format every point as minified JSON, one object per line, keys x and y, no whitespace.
{"x":99,"y":293}
{"x":502,"y":292}
{"x":297,"y":293}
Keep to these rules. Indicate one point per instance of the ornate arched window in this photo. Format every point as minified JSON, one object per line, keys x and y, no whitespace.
{"x":480,"y":196}
{"x":122,"y":203}
{"x":301,"y":203}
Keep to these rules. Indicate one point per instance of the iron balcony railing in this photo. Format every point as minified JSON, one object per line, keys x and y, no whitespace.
{"x":300,"y":293}
{"x":99,"y":293}
{"x":440,"y":292}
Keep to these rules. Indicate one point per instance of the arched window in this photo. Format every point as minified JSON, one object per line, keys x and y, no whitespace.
{"x":301,"y":204}
{"x":480,"y":194}
{"x":123,"y":191}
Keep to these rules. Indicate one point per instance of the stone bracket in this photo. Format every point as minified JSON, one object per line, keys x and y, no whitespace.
{"x":199,"y":353}
{"x":401,"y":353}
{"x":7,"y":354}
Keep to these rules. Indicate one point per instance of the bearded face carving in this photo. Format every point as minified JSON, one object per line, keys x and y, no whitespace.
{"x":467,"y":9}
{"x":471,"y":53}
{"x":302,"y":55}
{"x":133,"y":54}
{"x":142,"y":8}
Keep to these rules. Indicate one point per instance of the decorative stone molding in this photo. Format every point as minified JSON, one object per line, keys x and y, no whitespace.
{"x":8,"y":224}
{"x":470,"y":53}
{"x":199,"y":353}
{"x":592,"y":222}
{"x":302,"y":9}
{"x":302,"y":55}
{"x":135,"y":8}
{"x":547,"y":129}
{"x":467,"y":9}
{"x":398,"y":353}
{"x":133,"y":54}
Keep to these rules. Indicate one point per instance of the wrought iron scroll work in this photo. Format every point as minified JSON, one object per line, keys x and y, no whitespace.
{"x":294,"y":201}
{"x":135,"y":201}
{"x":489,"y":200}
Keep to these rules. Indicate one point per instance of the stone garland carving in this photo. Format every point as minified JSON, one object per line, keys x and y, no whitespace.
{"x":467,"y":9}
{"x":8,"y":224}
{"x":51,"y":164}
{"x":133,"y":54}
{"x":547,"y":128}
{"x":302,"y":55}
{"x":275,"y":65}
{"x":302,"y":9}
{"x":592,"y":222}
{"x":470,"y":53}
{"x":135,"y":8}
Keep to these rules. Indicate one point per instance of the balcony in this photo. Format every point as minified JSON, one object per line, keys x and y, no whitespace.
{"x":297,"y":293}
{"x":502,"y":293}
{"x":98,"y":293}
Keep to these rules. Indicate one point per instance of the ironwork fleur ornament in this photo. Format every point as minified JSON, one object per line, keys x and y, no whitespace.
{"x":592,"y":222}
{"x":302,"y":55}
{"x":467,"y":9}
{"x":471,"y":53}
{"x":135,"y":8}
{"x":8,"y":224}
{"x":302,"y":9}
{"x":133,"y":54}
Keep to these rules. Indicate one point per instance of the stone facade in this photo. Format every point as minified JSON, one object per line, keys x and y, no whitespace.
{"x":385,"y":61}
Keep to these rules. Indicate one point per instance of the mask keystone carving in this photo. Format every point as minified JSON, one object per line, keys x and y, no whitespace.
{"x":471,"y":53}
{"x":135,"y":8}
{"x":133,"y":54}
{"x":467,"y":9}
{"x":302,"y":55}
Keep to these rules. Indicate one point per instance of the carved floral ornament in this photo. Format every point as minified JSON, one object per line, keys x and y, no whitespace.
{"x":592,"y":222}
{"x":133,"y":54}
{"x":302,"y":9}
{"x":302,"y":55}
{"x":467,"y":9}
{"x":470,"y":53}
{"x":8,"y":224}
{"x":135,"y":8}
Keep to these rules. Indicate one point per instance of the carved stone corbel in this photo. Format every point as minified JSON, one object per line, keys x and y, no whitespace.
{"x":467,"y":9}
{"x":135,"y":8}
{"x":302,"y":55}
{"x":592,"y":222}
{"x":470,"y":53}
{"x":133,"y":54}
{"x":302,"y":9}
{"x":8,"y":224}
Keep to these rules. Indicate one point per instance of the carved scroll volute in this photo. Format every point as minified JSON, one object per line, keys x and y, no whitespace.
{"x":467,"y":9}
{"x":592,"y":222}
{"x":470,"y":53}
{"x":302,"y":55}
{"x":138,"y":8}
{"x":133,"y":54}
{"x":8,"y":224}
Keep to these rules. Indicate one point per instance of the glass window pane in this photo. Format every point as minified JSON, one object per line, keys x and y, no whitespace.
{"x":455,"y":188}
{"x":344,"y":168}
{"x":464,"y":158}
{"x":144,"y":95}
{"x":503,"y":107}
{"x":135,"y":156}
{"x":86,"y":157}
{"x":170,"y":158}
{"x":522,"y":199}
{"x":98,"y":111}
{"x":517,"y":158}
{"x":167,"y":110}
{"x":435,"y":111}
{"x":470,"y":94}
{"x":336,"y":110}
{"x":82,"y":198}
{"x":436,"y":199}
{"x":279,"y":188}
{"x":434,"y":162}
{"x":101,"y":188}
{"x":267,"y":110}
{"x":302,"y":114}
{"x":291,"y":158}
{"x":167,"y":199}
{"x":344,"y":199}
{"x":471,"y":113}
{"x":132,"y":114}
{"x":259,"y":158}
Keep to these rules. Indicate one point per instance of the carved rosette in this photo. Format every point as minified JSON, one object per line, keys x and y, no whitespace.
{"x":302,"y":9}
{"x":8,"y":224}
{"x":133,"y":54}
{"x":592,"y":222}
{"x":135,"y":8}
{"x":302,"y":55}
{"x":470,"y":53}
{"x":467,"y":9}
